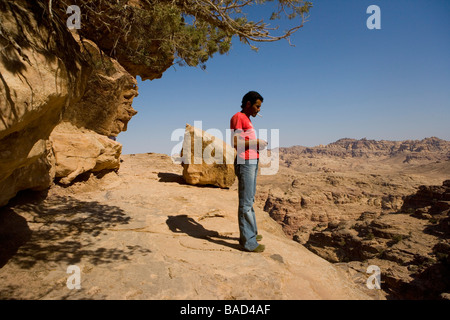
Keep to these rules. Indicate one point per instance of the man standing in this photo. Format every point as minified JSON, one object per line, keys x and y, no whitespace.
{"x":246,"y":168}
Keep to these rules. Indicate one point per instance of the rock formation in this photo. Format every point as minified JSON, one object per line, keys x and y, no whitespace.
{"x":79,"y":150}
{"x":81,"y":142}
{"x":106,"y":105}
{"x":206,"y":159}
{"x":410,"y":246}
{"x":58,"y":93}
{"x":39,"y":77}
{"x":431,"y":149}
{"x":62,"y":103}
{"x":341,"y":180}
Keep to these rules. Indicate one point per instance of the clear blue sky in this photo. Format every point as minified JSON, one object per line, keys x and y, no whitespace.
{"x":341,"y":80}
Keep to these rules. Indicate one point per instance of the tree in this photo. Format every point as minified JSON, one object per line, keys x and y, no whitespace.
{"x":159,"y":33}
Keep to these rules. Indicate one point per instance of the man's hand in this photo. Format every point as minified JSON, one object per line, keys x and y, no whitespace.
{"x":262,"y":144}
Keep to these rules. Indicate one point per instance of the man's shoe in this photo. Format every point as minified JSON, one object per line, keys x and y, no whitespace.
{"x":258,"y":237}
{"x":259,"y":248}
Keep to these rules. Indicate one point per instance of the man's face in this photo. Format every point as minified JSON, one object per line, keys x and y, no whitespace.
{"x":255,"y":108}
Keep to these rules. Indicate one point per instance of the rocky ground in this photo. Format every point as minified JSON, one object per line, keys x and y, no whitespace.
{"x":142,"y":233}
{"x":358,"y":203}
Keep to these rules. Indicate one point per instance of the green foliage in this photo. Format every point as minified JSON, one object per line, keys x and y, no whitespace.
{"x":186,"y":32}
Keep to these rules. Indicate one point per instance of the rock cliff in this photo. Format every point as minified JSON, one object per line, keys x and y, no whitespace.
{"x":410,"y":246}
{"x":59,"y":96}
{"x":40,"y":76}
{"x":431,"y":149}
{"x":63,"y":101}
{"x":84,"y":139}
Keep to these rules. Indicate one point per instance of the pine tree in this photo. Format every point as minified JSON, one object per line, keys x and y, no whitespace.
{"x":185,"y":32}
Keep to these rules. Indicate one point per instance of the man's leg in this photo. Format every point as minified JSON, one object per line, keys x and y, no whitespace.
{"x":254,"y":193}
{"x":246,"y":215}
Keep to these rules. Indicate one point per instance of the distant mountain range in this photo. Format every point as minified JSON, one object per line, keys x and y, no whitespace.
{"x":431,"y":148}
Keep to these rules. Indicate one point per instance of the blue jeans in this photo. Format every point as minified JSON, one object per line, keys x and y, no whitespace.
{"x":246,"y":174}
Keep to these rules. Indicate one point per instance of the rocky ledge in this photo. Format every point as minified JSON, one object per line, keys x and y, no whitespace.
{"x":143,"y":233}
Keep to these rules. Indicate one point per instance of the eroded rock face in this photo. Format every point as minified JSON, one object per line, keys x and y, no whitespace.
{"x":104,"y":35}
{"x":50,"y":78}
{"x":39,"y":77}
{"x":38,"y":175}
{"x":207,"y":159}
{"x":79,"y":150}
{"x":411,"y":247}
{"x":361,"y":203}
{"x":81,"y":142}
{"x":106,"y":106}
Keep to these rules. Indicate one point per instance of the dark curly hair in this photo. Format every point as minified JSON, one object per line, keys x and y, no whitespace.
{"x":251,"y":96}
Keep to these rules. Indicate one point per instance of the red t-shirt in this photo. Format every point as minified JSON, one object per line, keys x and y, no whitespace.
{"x":242,"y":125}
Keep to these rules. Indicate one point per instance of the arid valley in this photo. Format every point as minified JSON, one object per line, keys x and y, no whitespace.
{"x":363,"y":202}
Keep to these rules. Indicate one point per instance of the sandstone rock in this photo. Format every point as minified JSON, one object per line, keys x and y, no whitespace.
{"x":39,"y":78}
{"x":43,"y":91}
{"x":391,"y":202}
{"x":80,"y":141}
{"x":106,"y":104}
{"x":445,"y":296}
{"x":371,"y":205}
{"x":207,"y":160}
{"x":48,"y":75}
{"x":81,"y":150}
{"x":434,"y":200}
{"x":38,"y":175}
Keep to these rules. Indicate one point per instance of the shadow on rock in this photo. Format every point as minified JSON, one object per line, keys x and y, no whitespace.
{"x":14,"y":232}
{"x":173,"y":177}
{"x":187,"y":225}
{"x":170,"y":177}
{"x":35,"y":228}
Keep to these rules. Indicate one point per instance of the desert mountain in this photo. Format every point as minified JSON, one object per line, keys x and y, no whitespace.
{"x":428,"y":149}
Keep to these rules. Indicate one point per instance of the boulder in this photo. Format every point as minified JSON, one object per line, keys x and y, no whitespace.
{"x":206,"y":159}
{"x":79,"y":150}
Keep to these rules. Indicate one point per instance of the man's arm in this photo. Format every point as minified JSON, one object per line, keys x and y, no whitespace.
{"x":260,"y":144}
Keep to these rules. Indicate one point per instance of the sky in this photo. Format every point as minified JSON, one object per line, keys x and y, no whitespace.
{"x":340,"y":79}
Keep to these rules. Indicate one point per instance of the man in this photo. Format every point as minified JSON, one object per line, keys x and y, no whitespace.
{"x":246,"y":168}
